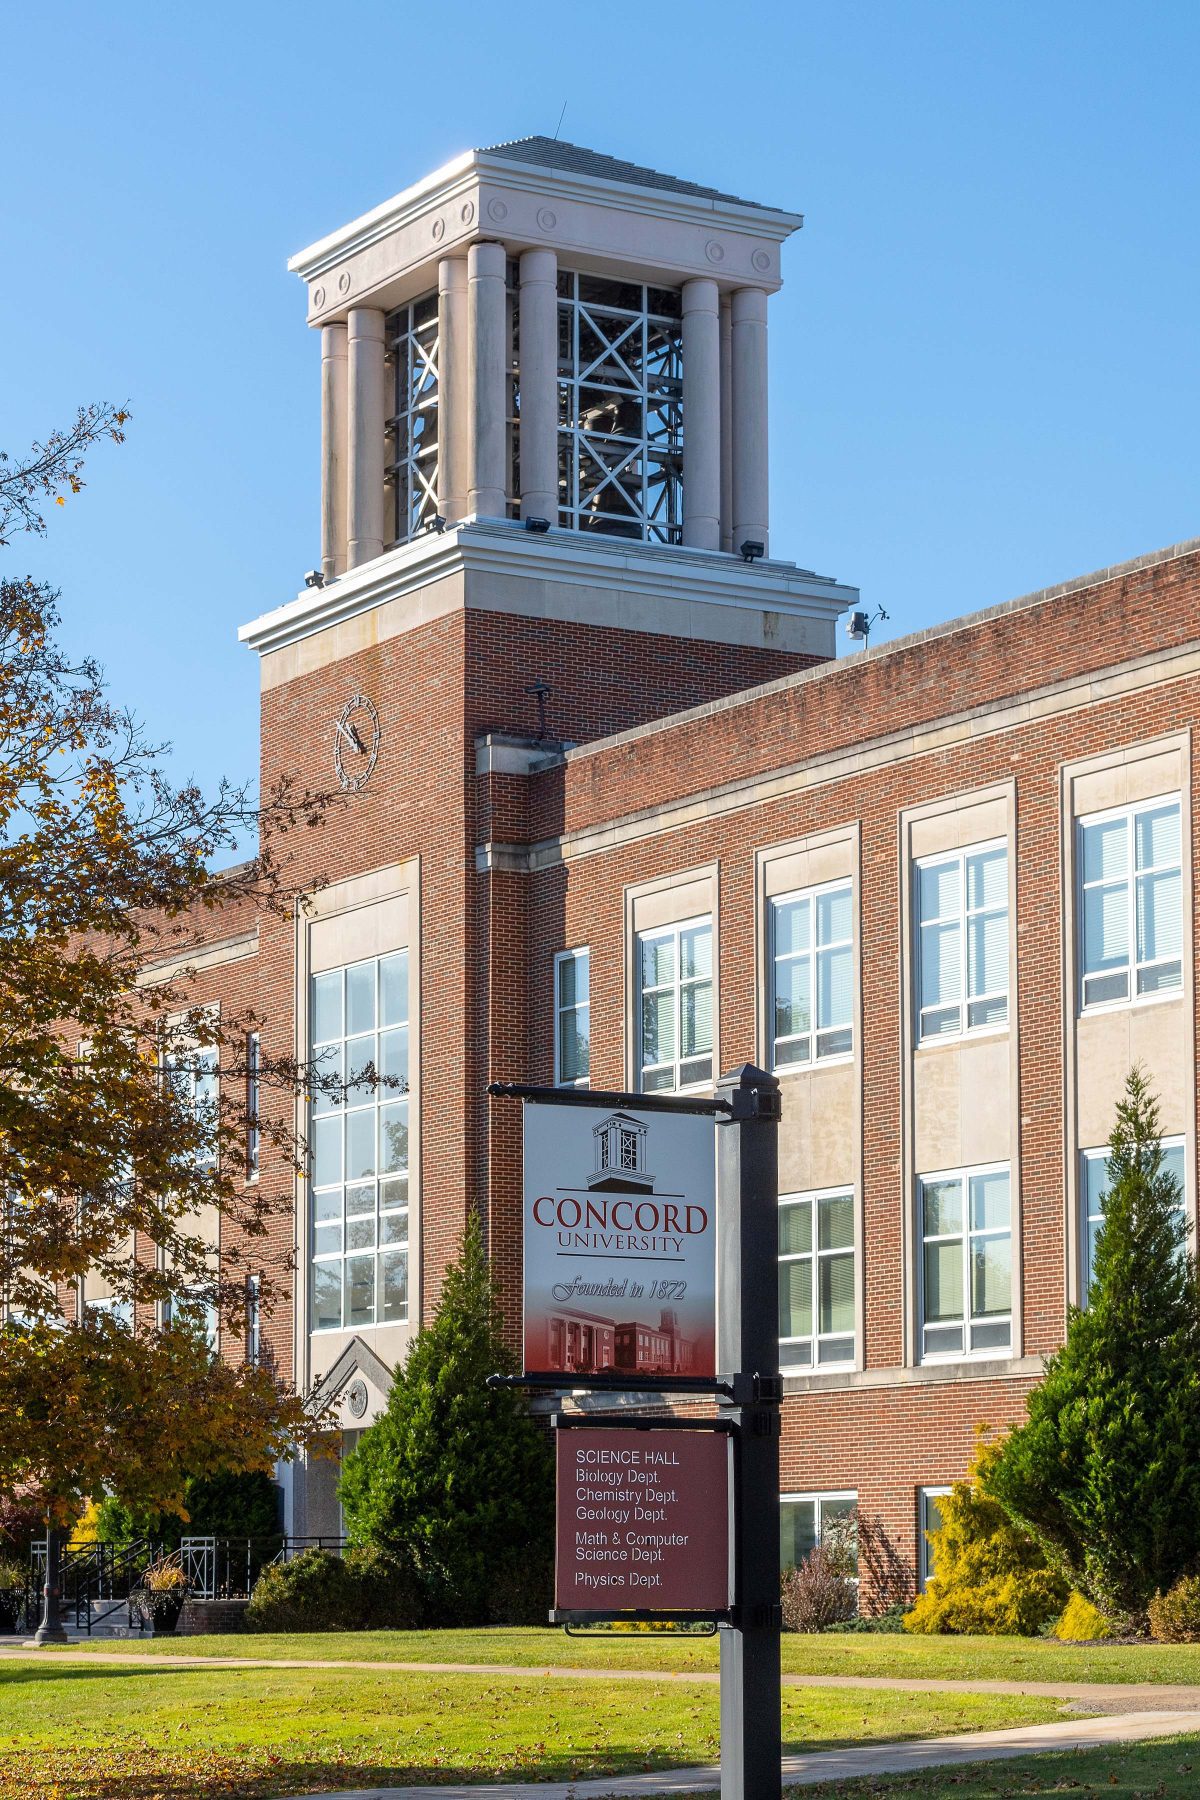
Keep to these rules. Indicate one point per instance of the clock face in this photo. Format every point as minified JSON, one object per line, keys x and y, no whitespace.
{"x":356,"y":743}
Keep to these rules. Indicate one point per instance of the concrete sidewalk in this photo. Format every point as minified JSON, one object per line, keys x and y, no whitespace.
{"x":823,"y":1765}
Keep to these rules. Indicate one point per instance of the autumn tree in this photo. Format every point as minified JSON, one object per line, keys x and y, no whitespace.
{"x":123,"y":1103}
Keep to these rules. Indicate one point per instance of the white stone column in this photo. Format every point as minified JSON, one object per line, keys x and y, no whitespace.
{"x":333,"y":450}
{"x":364,"y":342}
{"x":701,"y":414}
{"x":453,"y":388}
{"x":748,"y":369}
{"x":726,"y":424}
{"x":485,"y":327}
{"x":539,"y":385}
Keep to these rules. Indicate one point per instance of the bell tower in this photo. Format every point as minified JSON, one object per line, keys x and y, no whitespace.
{"x":540,"y":333}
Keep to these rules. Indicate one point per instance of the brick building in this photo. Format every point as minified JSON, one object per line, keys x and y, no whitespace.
{"x":615,"y":814}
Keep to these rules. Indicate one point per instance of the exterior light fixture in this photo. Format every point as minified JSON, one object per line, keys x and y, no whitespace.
{"x":437,"y":523}
{"x":751,"y":550}
{"x":539,"y":526}
{"x":314,"y":579}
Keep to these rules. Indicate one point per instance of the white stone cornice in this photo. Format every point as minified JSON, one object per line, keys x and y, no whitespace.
{"x":465,"y":171}
{"x":558,"y":560}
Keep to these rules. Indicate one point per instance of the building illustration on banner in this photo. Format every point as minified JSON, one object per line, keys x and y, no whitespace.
{"x":620,"y":1271}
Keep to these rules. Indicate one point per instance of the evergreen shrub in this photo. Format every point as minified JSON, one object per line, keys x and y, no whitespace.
{"x":365,"y":1590}
{"x":1175,"y":1616}
{"x":455,"y":1478}
{"x":1081,"y":1623}
{"x":991,"y":1578}
{"x":1105,"y":1471}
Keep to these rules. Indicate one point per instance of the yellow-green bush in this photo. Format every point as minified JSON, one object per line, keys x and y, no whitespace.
{"x":1081,"y":1622}
{"x":1175,"y":1615}
{"x":991,"y":1578}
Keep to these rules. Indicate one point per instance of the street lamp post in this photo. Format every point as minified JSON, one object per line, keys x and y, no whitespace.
{"x":52,"y":1630}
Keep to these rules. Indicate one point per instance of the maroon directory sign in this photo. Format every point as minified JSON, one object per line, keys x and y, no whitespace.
{"x":642,"y":1521}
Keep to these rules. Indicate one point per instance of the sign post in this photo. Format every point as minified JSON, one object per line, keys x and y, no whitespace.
{"x":748,"y":1354}
{"x":651,"y":1266}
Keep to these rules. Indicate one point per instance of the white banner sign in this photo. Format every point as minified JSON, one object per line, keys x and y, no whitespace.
{"x":620,"y":1242}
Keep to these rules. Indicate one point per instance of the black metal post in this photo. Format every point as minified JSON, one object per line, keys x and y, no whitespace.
{"x":748,"y":1357}
{"x":52,"y":1630}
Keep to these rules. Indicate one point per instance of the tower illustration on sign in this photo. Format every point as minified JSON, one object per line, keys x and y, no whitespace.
{"x":620,"y":1157}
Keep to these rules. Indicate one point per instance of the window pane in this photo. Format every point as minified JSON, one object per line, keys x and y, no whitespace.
{"x":360,"y":1198}
{"x":327,"y":1206}
{"x":987,"y":954}
{"x":573,"y":979}
{"x":1105,"y":850}
{"x":695,"y":951}
{"x":943,"y":1281}
{"x":327,"y":1296}
{"x":658,"y":961}
{"x":991,"y":1276}
{"x":941,"y":974}
{"x":835,"y":976}
{"x":795,"y":1228}
{"x":359,"y":1290}
{"x":360,"y":998}
{"x":943,"y":1207}
{"x":1105,"y":928}
{"x":1159,"y":913}
{"x":327,"y":1151}
{"x":836,"y":1229}
{"x":393,"y":1227}
{"x":1095,"y":1183}
{"x":795,"y":1298}
{"x":835,"y":1286}
{"x":393,"y":1059}
{"x":393,"y":989}
{"x":793,"y":1000}
{"x":989,"y":1201}
{"x":360,"y":1056}
{"x":327,"y":1007}
{"x":360,"y":1144}
{"x":833,"y":916}
{"x":987,"y":878}
{"x":327,"y":1240}
{"x":939,"y":891}
{"x":329,"y":1063}
{"x":696,"y":1007}
{"x":1172,"y":1164}
{"x":941,"y":1023}
{"x":360,"y":1233}
{"x":393,"y":1137}
{"x":658,"y":1028}
{"x":797,"y":1531}
{"x":1160,"y":978}
{"x":393,"y":1285}
{"x":793,"y":926}
{"x":573,"y":1045}
{"x":1157,"y":837}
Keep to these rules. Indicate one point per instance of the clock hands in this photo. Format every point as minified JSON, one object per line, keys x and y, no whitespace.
{"x":350,"y":732}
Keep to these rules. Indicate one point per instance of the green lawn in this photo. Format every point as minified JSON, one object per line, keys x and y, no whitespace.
{"x":162,"y":1733}
{"x":832,"y":1653}
{"x":1170,"y":1767}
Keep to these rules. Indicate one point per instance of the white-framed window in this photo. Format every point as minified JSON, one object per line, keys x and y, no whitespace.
{"x":193,"y":1309}
{"x":675,"y":1007}
{"x":113,"y":1307}
{"x":253,"y":1319}
{"x":929,"y":1518}
{"x":965,"y":1221}
{"x":962,"y":941}
{"x":816,"y":1279}
{"x":1131,"y":903}
{"x":193,"y":1072}
{"x":804,"y":1520}
{"x":253,"y":1138}
{"x":572,"y":1017}
{"x":620,"y":408}
{"x":358,"y":1145}
{"x":812,"y":975}
{"x":1092,"y":1188}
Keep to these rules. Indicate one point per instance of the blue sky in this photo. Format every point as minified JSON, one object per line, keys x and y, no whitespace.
{"x":985,"y":360}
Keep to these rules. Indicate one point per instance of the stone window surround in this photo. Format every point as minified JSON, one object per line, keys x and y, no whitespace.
{"x":954,"y":820}
{"x":340,"y":900}
{"x":649,"y":906}
{"x":1077,"y":798}
{"x":812,"y":860}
